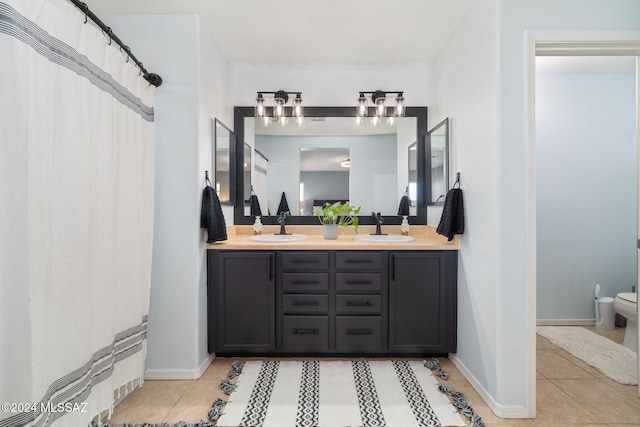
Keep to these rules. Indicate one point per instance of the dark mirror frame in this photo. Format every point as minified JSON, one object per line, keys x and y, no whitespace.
{"x":232,"y":160}
{"x":421,"y":133}
{"x":447,"y":150}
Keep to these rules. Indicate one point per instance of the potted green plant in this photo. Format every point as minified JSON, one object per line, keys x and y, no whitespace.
{"x":337,"y":214}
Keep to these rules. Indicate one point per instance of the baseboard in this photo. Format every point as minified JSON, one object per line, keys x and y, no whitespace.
{"x":179,"y":374}
{"x":498,"y":410}
{"x":565,"y":322}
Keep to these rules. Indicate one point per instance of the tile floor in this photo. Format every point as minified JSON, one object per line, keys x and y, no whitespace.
{"x":569,"y":393}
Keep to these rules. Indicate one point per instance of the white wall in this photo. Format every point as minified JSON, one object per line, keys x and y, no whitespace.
{"x":515,"y":16}
{"x":586,"y":191}
{"x":216,"y":101}
{"x":196,"y":88}
{"x":463,"y":87}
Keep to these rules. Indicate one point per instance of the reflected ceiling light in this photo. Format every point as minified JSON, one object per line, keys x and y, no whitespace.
{"x":345,"y":163}
{"x":379,"y":97}
{"x":279,"y":110}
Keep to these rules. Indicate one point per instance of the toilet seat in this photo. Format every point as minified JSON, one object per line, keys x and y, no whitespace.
{"x":629,"y":296}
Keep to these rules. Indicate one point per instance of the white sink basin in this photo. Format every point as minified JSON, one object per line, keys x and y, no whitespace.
{"x":278,"y":238}
{"x":385,"y":238}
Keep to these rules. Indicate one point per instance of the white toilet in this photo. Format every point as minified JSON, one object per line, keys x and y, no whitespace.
{"x":626,"y":304}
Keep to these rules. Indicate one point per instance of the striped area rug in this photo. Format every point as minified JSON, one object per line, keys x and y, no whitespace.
{"x":338,"y":394}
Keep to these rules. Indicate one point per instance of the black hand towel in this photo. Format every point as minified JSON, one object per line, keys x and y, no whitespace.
{"x":254,"y":206}
{"x":452,"y":219}
{"x":283,"y":206}
{"x":403,"y":209}
{"x":211,"y":216}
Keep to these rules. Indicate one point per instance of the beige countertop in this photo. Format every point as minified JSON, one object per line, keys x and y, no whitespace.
{"x":426,"y":239}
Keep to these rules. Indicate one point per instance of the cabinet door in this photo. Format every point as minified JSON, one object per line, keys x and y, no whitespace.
{"x":422,"y":302}
{"x":246,"y":302}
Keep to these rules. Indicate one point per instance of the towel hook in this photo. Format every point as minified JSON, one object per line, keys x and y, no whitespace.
{"x":206,"y":178}
{"x":457,"y":180}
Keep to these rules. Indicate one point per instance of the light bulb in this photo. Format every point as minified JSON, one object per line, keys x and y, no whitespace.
{"x":362,"y":106}
{"x":260,"y":106}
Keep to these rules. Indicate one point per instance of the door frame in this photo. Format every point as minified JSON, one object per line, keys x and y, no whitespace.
{"x":558,"y":43}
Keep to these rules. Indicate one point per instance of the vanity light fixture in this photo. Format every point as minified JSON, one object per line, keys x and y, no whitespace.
{"x":279,"y":110}
{"x":379,"y":97}
{"x":345,"y":163}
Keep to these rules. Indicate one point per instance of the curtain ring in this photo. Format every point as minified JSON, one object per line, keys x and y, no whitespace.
{"x":86,"y":12}
{"x":140,"y":66}
{"x":110,"y":33}
{"x":126,"y":49}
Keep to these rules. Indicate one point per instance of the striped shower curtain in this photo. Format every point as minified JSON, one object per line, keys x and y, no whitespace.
{"x":76,"y":216}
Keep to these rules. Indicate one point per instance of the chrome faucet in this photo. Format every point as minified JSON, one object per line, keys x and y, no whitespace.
{"x":379,"y":221}
{"x":281,"y":219}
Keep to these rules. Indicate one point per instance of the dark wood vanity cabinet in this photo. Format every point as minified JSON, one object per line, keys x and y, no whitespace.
{"x":242,"y":306}
{"x":422,"y":302}
{"x":332,"y":302}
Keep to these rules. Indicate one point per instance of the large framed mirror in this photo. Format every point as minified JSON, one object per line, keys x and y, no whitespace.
{"x":438,"y":163}
{"x":223,"y":152}
{"x":330,"y":158}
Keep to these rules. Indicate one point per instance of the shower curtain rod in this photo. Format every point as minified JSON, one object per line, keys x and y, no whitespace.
{"x":152,"y":78}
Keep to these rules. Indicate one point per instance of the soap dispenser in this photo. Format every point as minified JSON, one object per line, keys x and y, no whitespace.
{"x":404,"y":226}
{"x":257,"y":226}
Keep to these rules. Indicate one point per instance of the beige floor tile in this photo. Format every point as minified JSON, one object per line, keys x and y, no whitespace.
{"x":555,"y":407}
{"x":552,"y":365}
{"x":607,"y":404}
{"x":629,"y":391}
{"x":195,"y":402}
{"x":218,"y":369}
{"x":149,"y":403}
{"x":615,"y":335}
{"x":579,"y":363}
{"x":543,"y":343}
{"x":476,"y":402}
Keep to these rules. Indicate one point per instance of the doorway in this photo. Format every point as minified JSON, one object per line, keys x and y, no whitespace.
{"x":557,"y":43}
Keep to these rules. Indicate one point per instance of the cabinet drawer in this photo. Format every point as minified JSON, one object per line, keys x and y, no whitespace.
{"x":360,"y":333}
{"x":368,"y":282}
{"x":305,"y":333}
{"x":359,"y":261}
{"x":305,"y":304}
{"x":301,"y":282}
{"x":358,"y":304}
{"x":296,"y":261}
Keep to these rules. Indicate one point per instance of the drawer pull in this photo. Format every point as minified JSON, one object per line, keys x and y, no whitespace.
{"x":305,"y":261}
{"x":358,"y":282}
{"x":359,"y":261}
{"x":305,"y":331}
{"x":359,"y":303}
{"x":359,"y":332}
{"x":305,"y":303}
{"x":305,"y":282}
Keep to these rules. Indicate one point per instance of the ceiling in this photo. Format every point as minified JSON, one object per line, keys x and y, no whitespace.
{"x":302,"y":34}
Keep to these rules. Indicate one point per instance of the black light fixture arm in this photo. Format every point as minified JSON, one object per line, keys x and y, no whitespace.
{"x":279,"y":94}
{"x":378,"y":93}
{"x":152,"y":78}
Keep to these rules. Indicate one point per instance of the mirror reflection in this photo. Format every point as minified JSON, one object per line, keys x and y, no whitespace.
{"x":331,"y":158}
{"x":324,"y":177}
{"x":223,"y":141}
{"x":439,"y":162}
{"x":412,"y":189}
